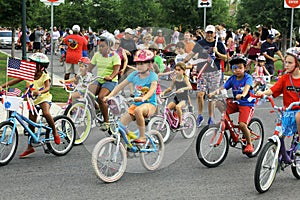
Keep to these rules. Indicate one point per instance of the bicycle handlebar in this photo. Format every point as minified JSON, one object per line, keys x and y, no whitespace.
{"x":168,"y":95}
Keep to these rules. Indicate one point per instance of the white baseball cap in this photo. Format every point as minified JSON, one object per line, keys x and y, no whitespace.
{"x":129,"y":30}
{"x":210,"y":28}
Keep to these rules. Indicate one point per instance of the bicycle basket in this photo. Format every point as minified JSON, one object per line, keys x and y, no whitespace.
{"x":289,"y":126}
{"x":114,"y":106}
{"x":12,"y":103}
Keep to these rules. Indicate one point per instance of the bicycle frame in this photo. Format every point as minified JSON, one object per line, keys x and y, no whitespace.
{"x":23,"y":120}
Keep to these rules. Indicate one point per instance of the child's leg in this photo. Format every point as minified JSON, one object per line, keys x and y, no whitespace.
{"x":140,"y":113}
{"x":179,"y":107}
{"x":46,"y":112}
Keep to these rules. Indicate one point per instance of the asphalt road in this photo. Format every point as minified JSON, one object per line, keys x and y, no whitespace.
{"x":181,"y":176}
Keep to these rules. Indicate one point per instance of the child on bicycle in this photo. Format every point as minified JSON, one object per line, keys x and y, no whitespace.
{"x":144,"y":81}
{"x":182,"y":85}
{"x":241,"y":85}
{"x":289,"y":86}
{"x":260,"y":71}
{"x":40,"y":90}
{"x":81,"y":77}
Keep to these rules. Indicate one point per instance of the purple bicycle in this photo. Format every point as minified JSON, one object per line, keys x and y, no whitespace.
{"x":274,"y":156}
{"x":167,"y":123}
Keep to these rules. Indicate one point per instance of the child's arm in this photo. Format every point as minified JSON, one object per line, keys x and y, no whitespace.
{"x":71,"y":80}
{"x":10,"y":83}
{"x":245,"y":92}
{"x":165,"y":73}
{"x":169,"y":89}
{"x":266,"y":71}
{"x":45,"y":89}
{"x":215,"y":92}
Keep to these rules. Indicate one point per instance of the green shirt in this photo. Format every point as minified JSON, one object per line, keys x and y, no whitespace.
{"x":106,"y":65}
{"x":159,"y":61}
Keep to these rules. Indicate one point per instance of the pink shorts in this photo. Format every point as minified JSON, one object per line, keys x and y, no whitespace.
{"x":245,"y":112}
{"x":158,"y":89}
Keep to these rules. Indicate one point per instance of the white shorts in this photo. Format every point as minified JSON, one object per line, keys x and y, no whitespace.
{"x":71,"y":68}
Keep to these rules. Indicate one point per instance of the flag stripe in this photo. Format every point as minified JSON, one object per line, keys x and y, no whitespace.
{"x":21,"y":69}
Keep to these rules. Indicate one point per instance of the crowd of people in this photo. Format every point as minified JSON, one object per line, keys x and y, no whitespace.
{"x":137,"y":57}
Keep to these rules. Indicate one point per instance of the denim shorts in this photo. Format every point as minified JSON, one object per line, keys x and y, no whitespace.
{"x":110,"y":85}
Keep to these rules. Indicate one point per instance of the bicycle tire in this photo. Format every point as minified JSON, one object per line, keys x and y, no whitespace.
{"x":205,"y":149}
{"x":82,"y":123}
{"x":190,"y":122}
{"x":160,"y":124}
{"x":66,"y":129}
{"x":257,"y":134}
{"x":153,"y":138}
{"x":7,"y":156}
{"x":104,"y":166}
{"x":263,"y":168}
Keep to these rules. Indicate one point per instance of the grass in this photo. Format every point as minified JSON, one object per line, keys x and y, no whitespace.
{"x":58,"y":93}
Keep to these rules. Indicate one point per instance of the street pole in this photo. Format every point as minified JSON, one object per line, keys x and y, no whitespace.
{"x":23,"y":40}
{"x":204,"y":17}
{"x":291,"y":31}
{"x":52,"y":48}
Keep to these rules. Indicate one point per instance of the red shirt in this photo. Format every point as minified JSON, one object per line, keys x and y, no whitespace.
{"x":76,"y":44}
{"x":284,"y":86}
{"x":247,"y":40}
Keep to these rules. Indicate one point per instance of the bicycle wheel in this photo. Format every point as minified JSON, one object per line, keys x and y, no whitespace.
{"x":257,"y":136}
{"x":154,"y":148}
{"x":189,"y":123}
{"x":8,"y":147}
{"x":265,"y":174}
{"x":82,"y":120}
{"x":109,"y":161}
{"x":67,"y":132}
{"x":208,"y":151}
{"x":162,"y":126}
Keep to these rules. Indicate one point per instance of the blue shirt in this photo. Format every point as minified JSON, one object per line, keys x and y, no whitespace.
{"x":142,"y":86}
{"x":237,"y":87}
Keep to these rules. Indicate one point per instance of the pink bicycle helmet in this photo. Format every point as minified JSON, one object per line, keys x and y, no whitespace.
{"x":84,"y":60}
{"x":143,"y":56}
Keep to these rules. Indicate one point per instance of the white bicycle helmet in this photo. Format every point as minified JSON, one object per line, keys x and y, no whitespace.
{"x":76,"y":28}
{"x":108,"y":38}
{"x":40,"y":58}
{"x":294,"y":51}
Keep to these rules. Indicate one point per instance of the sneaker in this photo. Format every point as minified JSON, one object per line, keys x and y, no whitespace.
{"x":248,"y":149}
{"x":210,"y":121}
{"x":57,"y":139}
{"x":199,"y":120}
{"x":27,"y":153}
{"x":105,"y":126}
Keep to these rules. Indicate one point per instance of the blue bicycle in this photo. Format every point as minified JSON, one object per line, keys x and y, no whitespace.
{"x":42,"y":137}
{"x":109,"y":157}
{"x":274,"y":156}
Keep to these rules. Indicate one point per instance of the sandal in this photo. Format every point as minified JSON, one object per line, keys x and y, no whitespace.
{"x":57,"y":139}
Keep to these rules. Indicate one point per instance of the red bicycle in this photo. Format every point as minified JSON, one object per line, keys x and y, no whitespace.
{"x":214,"y":140}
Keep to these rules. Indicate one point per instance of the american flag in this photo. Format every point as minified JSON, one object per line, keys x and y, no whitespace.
{"x":20,"y":69}
{"x":13,"y":92}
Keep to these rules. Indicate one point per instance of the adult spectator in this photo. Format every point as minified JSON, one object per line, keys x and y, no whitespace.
{"x":37,"y":43}
{"x":108,"y":64}
{"x":188,"y":42}
{"x":213,"y":53}
{"x":92,"y":41}
{"x":175,"y":36}
{"x":246,"y":41}
{"x":77,"y":46}
{"x":128,"y":43}
{"x":55,"y":37}
{"x":253,"y":51}
{"x":160,"y":40}
{"x":268,"y":49}
{"x":146,"y":42}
